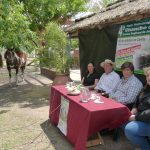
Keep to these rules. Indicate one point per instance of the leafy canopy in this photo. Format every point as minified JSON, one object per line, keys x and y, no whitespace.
{"x":14,"y":26}
{"x":19,"y":19}
{"x":40,"y":12}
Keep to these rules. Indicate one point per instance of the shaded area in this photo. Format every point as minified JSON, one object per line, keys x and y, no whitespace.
{"x":56,"y":138}
{"x":34,"y":92}
{"x":3,"y":111}
{"x":28,"y":95}
{"x":59,"y":141}
{"x":22,"y":109}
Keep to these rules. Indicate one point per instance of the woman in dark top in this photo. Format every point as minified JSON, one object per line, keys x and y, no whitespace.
{"x":90,"y":79}
{"x":138,"y":129}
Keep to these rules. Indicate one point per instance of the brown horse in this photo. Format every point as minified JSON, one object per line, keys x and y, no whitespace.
{"x":15,"y":60}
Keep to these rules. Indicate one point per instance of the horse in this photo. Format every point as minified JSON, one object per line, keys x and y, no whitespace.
{"x":15,"y":60}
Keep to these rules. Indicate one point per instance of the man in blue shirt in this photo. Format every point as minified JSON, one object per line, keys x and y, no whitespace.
{"x":129,"y":86}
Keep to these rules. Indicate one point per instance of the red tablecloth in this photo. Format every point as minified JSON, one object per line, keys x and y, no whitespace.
{"x":85,"y":119}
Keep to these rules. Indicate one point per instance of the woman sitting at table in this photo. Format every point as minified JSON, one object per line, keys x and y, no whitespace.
{"x":138,"y":129}
{"x":91,"y":78}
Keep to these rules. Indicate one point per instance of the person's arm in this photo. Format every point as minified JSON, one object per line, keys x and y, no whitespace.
{"x":143,"y":116}
{"x":82,"y":81}
{"x":132,"y":92}
{"x":134,"y":108}
{"x":126,"y":98}
{"x":91,"y":87}
{"x":98,"y":83}
{"x":132,"y":118}
{"x":115,"y":80}
{"x":134,"y":111}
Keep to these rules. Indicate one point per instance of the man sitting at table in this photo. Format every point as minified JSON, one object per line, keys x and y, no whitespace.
{"x":129,"y":86}
{"x":109,"y":79}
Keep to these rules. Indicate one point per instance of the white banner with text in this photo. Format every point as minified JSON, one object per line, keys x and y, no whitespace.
{"x":62,"y":124}
{"x":133,"y":44}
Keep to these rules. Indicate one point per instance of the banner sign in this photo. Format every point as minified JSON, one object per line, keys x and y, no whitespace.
{"x":133,"y":44}
{"x":62,"y":124}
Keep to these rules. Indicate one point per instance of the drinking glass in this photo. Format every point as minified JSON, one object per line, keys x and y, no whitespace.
{"x":93,"y":95}
{"x":85,"y":94}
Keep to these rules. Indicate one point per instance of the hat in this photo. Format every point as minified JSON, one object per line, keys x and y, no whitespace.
{"x":107,"y":61}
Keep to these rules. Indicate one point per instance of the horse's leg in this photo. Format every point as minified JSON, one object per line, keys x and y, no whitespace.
{"x":9,"y":70}
{"x":17,"y":70}
{"x":22,"y":73}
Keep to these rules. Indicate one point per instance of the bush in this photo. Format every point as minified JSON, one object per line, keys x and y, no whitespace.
{"x":55,"y":53}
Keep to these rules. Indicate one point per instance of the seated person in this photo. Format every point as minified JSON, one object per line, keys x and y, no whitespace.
{"x":138,"y":129}
{"x":109,"y":79}
{"x":129,"y":86}
{"x":90,"y":79}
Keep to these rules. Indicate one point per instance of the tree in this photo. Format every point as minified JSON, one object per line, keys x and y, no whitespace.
{"x":56,"y":43}
{"x":23,"y":22}
{"x":15,"y":27}
{"x":40,"y":12}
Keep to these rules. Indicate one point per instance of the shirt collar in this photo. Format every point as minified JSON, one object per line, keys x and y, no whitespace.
{"x":130,"y":78}
{"x":109,"y":73}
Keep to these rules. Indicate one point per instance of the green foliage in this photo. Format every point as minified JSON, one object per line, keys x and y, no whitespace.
{"x":14,"y":25}
{"x":55,"y":52}
{"x":23,"y":22}
{"x":40,"y":12}
{"x":74,"y":43}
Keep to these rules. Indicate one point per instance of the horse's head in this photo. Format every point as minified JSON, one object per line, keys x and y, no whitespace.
{"x":10,"y":57}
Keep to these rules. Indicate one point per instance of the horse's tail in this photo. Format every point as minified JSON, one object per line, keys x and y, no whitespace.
{"x":5,"y":55}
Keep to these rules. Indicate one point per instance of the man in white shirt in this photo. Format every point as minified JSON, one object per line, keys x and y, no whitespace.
{"x":109,"y":79}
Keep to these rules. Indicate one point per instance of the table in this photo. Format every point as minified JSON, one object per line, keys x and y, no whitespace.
{"x":86,"y":119}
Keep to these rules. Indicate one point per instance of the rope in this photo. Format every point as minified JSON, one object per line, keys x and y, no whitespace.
{"x":52,"y":111}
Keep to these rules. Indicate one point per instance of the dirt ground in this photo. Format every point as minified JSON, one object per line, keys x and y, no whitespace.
{"x":24,"y":122}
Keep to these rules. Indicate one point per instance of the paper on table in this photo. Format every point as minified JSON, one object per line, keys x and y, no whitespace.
{"x":77,"y":92}
{"x":98,"y":101}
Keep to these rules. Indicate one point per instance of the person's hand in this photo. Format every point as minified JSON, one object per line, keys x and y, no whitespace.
{"x":134,"y":111}
{"x":105,"y":94}
{"x":132,"y":118}
{"x":96,"y":90}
